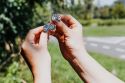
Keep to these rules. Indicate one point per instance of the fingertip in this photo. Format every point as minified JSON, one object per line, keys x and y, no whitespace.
{"x":61,"y":26}
{"x":44,"y":34}
{"x":43,"y":39}
{"x":68,"y":20}
{"x":36,"y":30}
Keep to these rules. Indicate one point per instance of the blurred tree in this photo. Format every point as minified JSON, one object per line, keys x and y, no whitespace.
{"x":105,"y":12}
{"x":16,"y":18}
{"x":118,"y":10}
{"x":88,"y":13}
{"x":96,"y":12}
{"x":57,"y":6}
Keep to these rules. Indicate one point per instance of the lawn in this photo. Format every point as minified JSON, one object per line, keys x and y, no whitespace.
{"x":62,"y":71}
{"x":116,"y":30}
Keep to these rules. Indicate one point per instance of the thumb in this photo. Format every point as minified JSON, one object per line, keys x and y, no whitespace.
{"x":43,"y":39}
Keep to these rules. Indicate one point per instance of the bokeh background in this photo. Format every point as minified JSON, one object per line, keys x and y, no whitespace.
{"x":99,"y":18}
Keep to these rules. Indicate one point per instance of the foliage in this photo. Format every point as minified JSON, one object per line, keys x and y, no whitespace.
{"x":118,"y":11}
{"x":105,"y":12}
{"x":13,"y":22}
{"x":11,"y":74}
{"x":102,"y":22}
{"x":16,"y":18}
{"x":88,"y":13}
{"x":15,"y":74}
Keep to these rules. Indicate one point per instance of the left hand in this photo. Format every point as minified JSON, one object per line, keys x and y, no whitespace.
{"x":34,"y":50}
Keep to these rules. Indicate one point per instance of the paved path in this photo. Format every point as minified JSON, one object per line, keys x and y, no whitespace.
{"x":112,"y":46}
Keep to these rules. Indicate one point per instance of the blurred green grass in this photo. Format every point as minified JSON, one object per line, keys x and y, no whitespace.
{"x":93,"y":30}
{"x":62,"y":72}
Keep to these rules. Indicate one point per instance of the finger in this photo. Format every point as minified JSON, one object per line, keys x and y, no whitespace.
{"x":36,"y":30}
{"x":61,"y":27}
{"x":69,"y":20}
{"x":34,"y":34}
{"x":51,"y":32}
{"x":43,"y":39}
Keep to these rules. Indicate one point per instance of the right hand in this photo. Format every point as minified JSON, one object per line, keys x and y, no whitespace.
{"x":69,"y":34}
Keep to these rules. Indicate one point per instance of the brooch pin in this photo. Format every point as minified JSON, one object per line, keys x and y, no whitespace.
{"x":49,"y":26}
{"x":56,"y":17}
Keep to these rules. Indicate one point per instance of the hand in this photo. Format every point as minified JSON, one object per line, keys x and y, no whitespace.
{"x":69,"y":34}
{"x":35,"y":52}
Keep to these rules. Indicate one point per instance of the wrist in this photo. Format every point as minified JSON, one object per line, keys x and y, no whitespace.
{"x":42,"y":62}
{"x":42,"y":74}
{"x":41,"y":68}
{"x":44,"y":57}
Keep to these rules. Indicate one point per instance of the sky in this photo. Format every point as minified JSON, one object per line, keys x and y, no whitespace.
{"x":104,"y":2}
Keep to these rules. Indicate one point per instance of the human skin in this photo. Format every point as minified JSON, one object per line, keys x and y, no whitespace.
{"x":69,"y":35}
{"x":34,"y":51}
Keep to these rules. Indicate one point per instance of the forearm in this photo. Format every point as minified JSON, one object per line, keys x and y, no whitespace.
{"x":78,"y":68}
{"x":90,"y":71}
{"x":42,"y":70}
{"x":42,"y":75}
